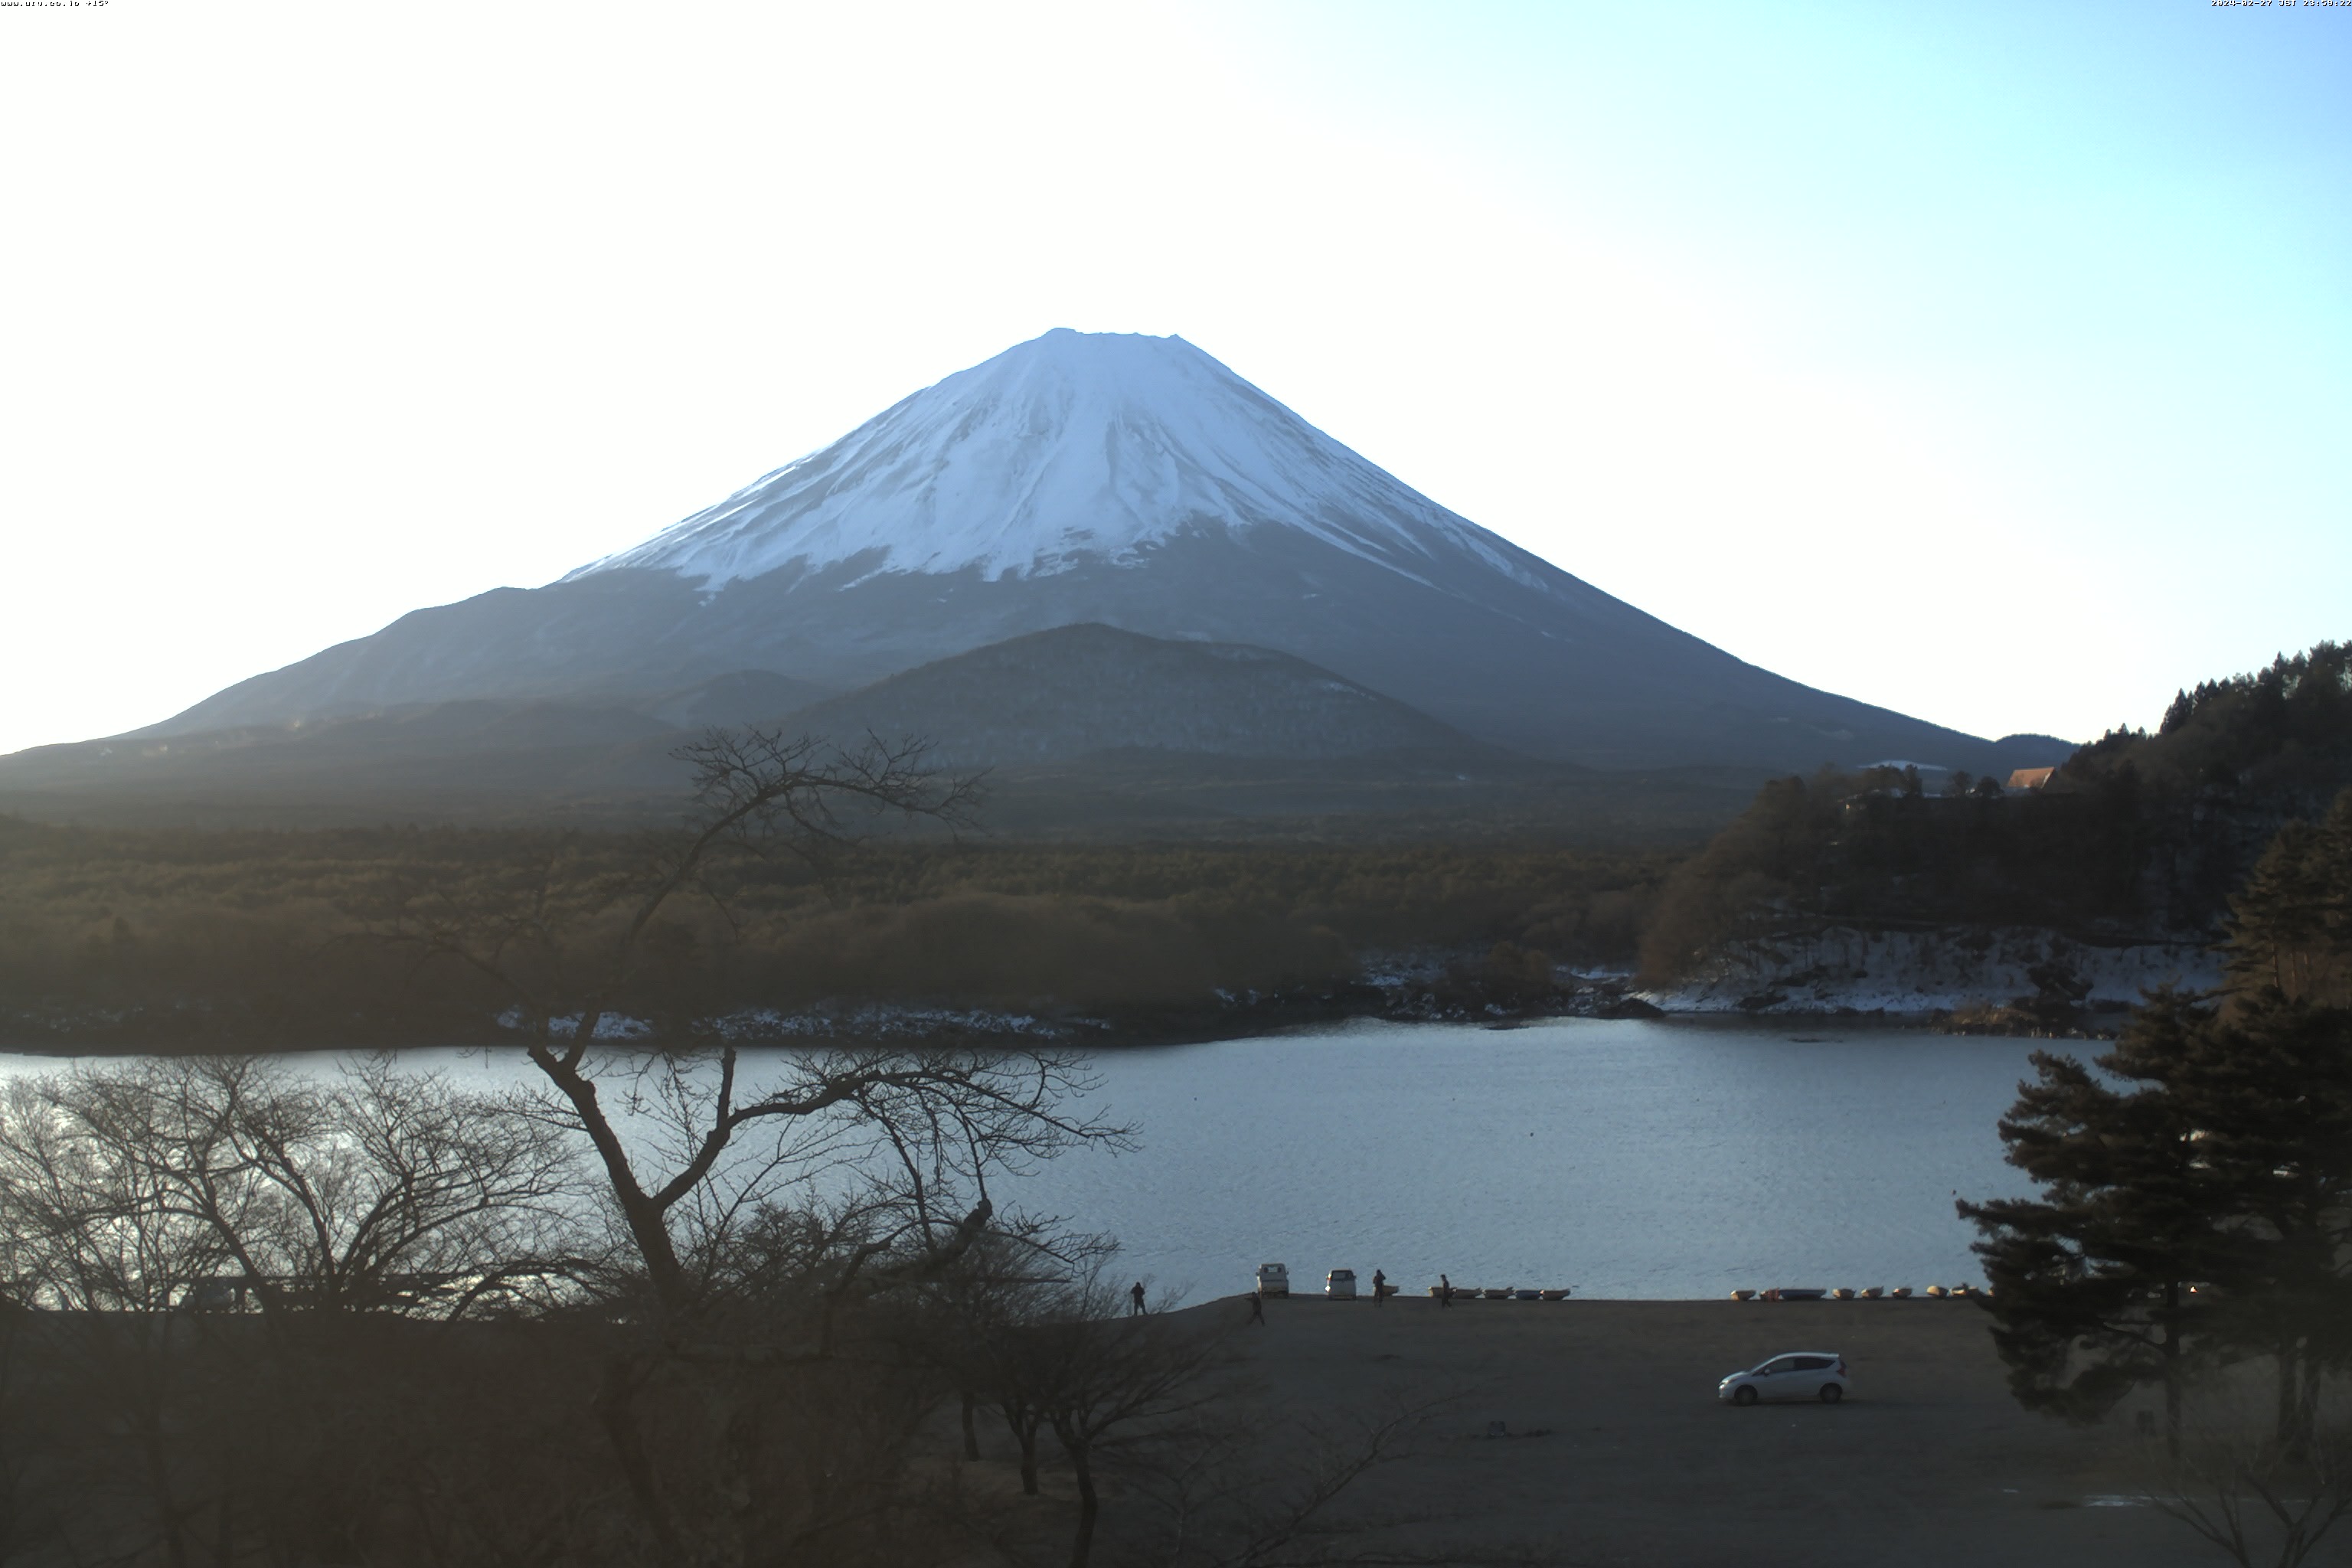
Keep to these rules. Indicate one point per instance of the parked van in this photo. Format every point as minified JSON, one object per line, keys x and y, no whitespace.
{"x":1339,"y":1285}
{"x":1273,"y":1279}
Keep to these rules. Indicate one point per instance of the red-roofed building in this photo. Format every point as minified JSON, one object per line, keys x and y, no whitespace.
{"x":2029,"y":778}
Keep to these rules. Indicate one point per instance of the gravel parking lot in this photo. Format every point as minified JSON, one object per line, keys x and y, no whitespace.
{"x":1617,"y":1451}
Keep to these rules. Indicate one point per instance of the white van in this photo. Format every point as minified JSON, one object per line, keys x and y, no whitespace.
{"x":1273,"y":1279}
{"x":1339,"y":1285}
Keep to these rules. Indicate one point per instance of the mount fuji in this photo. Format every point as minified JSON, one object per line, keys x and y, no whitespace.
{"x":1126,"y":481}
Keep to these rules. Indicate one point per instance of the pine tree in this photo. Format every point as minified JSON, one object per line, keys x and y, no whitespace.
{"x":2269,"y":1085}
{"x":2183,"y":709}
{"x":2291,"y":925}
{"x":2096,"y":1283}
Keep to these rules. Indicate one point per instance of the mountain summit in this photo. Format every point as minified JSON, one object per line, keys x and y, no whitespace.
{"x":1130,"y":482}
{"x":1073,"y":446}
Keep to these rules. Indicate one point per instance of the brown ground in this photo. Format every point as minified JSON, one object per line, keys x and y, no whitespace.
{"x":1928,"y":1462}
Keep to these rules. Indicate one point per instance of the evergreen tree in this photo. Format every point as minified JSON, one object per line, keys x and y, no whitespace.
{"x":2291,"y":925}
{"x":2269,"y":1085}
{"x":2181,"y":710}
{"x":2096,"y":1282}
{"x":2202,"y":1213}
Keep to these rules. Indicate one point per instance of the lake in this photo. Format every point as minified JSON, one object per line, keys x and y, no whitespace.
{"x":1628,"y":1159}
{"x":1632,"y":1158}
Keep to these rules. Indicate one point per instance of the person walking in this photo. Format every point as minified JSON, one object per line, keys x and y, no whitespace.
{"x":1135,"y":1300}
{"x":1445,"y":1292}
{"x":1380,"y":1287}
{"x":1258,"y":1308}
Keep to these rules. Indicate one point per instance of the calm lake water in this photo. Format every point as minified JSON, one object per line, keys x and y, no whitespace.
{"x":1641,"y":1159}
{"x":1620,"y":1158}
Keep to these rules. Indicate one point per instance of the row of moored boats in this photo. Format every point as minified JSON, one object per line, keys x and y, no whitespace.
{"x":1874,"y":1292}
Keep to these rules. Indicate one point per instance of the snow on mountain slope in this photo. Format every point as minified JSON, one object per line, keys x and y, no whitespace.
{"x":1124,"y":481}
{"x":1071,"y":446}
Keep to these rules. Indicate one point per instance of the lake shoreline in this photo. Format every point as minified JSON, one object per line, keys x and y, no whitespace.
{"x":1097,"y":1029}
{"x":1237,"y":1018}
{"x":1624,"y":1158}
{"x":2020,"y":984}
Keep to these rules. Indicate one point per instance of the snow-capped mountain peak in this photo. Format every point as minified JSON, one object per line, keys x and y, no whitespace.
{"x":1073,"y":445}
{"x":1128,"y":483}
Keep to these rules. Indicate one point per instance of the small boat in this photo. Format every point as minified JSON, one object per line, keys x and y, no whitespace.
{"x":1901,"y":1292}
{"x":1494,"y":1294}
{"x":1874,"y":1292}
{"x":1843,"y":1293}
{"x":1527,"y":1295}
{"x":1558,"y":1295}
{"x":1743,"y":1295}
{"x":1785,"y":1294}
{"x":1937,"y":1291}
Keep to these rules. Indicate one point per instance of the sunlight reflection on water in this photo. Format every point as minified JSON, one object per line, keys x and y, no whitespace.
{"x":1624,"y":1158}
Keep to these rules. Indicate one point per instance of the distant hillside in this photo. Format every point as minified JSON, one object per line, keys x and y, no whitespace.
{"x":1078,"y":690}
{"x":427,"y":755}
{"x":2232,"y":762}
{"x":2136,"y":834}
{"x":731,"y":702}
{"x":1086,"y":730}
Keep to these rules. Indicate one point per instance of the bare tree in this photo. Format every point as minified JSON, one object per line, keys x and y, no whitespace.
{"x":976,"y":1321}
{"x":377,"y":1188}
{"x":90,"y":1239}
{"x":1111,"y":1387}
{"x":144,"y":1201}
{"x":1150,"y":1403}
{"x":755,"y":1209}
{"x":2259,"y":1502}
{"x":943,"y":1121}
{"x":563,"y":943}
{"x":690,"y":1150}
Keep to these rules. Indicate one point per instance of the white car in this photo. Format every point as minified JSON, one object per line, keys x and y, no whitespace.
{"x":1339,"y":1285}
{"x":1799,"y":1374}
{"x":1273,"y":1280}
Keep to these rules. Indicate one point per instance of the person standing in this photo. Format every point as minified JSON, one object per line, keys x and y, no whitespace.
{"x":1380,"y":1287}
{"x":1445,"y":1292}
{"x":1135,"y":1300}
{"x":1258,"y":1308}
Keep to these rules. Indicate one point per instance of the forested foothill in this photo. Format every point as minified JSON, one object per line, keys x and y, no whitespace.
{"x":149,"y":937}
{"x":2138,"y":836}
{"x":129,"y":936}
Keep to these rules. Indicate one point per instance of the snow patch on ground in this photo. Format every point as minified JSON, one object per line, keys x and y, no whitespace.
{"x":611,"y":1027}
{"x":879,"y":1021}
{"x":870,"y":1021}
{"x":1931,"y":972}
{"x":1396,"y":971}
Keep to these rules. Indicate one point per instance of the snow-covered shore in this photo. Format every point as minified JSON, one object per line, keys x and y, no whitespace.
{"x":2017,"y":980}
{"x":1843,"y":970}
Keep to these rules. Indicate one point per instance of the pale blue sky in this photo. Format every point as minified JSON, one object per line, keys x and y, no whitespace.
{"x":1990,"y":362}
{"x":2102,"y":256}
